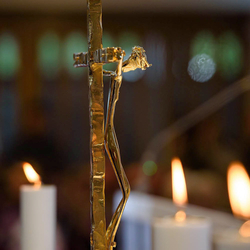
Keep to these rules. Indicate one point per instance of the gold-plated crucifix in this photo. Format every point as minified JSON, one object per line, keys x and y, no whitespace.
{"x":105,"y":138}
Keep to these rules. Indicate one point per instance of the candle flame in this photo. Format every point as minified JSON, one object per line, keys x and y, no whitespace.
{"x":179,"y":189}
{"x":245,"y":229}
{"x":239,"y":190}
{"x":31,"y":174}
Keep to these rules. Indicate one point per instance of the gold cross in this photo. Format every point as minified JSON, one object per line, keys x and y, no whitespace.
{"x":102,"y":238}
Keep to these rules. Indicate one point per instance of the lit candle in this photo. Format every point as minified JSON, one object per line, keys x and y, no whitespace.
{"x":239,"y":196}
{"x":181,"y":232}
{"x":38,"y":213}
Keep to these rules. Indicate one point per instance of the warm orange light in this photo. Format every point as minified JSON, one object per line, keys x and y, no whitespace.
{"x":245,"y":229}
{"x":31,"y":174}
{"x":179,"y":190}
{"x":239,"y":189}
{"x":180,"y":216}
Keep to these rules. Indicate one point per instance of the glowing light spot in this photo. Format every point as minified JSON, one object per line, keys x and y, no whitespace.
{"x":203,"y":43}
{"x":127,"y":41}
{"x":230,"y":55}
{"x":149,"y":168}
{"x":180,"y":216}
{"x":179,"y":187}
{"x":31,"y":174}
{"x":49,"y":54}
{"x":201,"y":68}
{"x":245,"y":229}
{"x":9,"y":56}
{"x":74,"y":42}
{"x":239,"y":189}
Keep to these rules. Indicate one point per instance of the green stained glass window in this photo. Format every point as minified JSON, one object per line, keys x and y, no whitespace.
{"x":230,"y":55}
{"x":108,"y":41}
{"x":204,"y":43}
{"x":9,"y":56}
{"x":75,"y":42}
{"x":49,"y":54}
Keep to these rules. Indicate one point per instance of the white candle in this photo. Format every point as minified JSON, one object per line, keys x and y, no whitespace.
{"x":239,"y":197}
{"x":231,"y":240}
{"x":38,"y":217}
{"x":181,"y":232}
{"x":194,"y":233}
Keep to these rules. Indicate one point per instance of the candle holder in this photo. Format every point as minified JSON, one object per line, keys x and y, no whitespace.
{"x":105,"y":139}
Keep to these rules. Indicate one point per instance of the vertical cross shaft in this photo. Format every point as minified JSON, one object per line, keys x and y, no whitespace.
{"x":96,"y":108}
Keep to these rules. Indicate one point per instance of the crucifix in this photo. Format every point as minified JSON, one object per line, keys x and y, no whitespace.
{"x":103,"y":137}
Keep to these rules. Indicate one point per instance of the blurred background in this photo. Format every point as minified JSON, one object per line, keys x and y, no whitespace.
{"x":197,"y":48}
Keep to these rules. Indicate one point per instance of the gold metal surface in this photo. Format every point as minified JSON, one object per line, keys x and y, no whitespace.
{"x":137,"y":59}
{"x":96,"y":114}
{"x":102,"y":238}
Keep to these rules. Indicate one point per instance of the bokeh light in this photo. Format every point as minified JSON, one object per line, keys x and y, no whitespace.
{"x":230,"y":55}
{"x":127,"y":40}
{"x":201,"y":68}
{"x":149,"y":168}
{"x":75,"y":42}
{"x":9,"y":56}
{"x":49,"y":54}
{"x":204,"y":43}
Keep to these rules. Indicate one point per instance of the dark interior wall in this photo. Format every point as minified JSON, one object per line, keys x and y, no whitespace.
{"x":142,"y":110}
